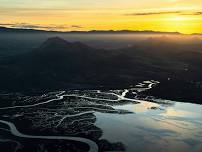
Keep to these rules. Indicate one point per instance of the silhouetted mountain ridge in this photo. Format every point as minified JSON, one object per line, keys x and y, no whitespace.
{"x":7,"y":29}
{"x":58,"y":64}
{"x":58,"y":45}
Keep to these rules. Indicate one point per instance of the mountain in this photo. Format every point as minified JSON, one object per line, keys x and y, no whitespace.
{"x":61,"y":64}
{"x":58,"y":45}
{"x":58,"y":64}
{"x":7,"y":29}
{"x":18,"y":30}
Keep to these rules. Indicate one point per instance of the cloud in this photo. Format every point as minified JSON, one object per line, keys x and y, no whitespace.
{"x":153,"y":13}
{"x":193,"y":13}
{"x":76,"y":26}
{"x":5,"y":24}
{"x":28,"y":26}
{"x":198,"y":13}
{"x":167,"y":12}
{"x":44,"y":27}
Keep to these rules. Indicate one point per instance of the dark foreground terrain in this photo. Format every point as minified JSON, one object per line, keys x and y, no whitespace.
{"x":98,"y":121}
{"x":59,"y":94}
{"x":59,"y":64}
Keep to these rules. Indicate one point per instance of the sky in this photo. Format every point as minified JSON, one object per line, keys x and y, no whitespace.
{"x":183,"y":16}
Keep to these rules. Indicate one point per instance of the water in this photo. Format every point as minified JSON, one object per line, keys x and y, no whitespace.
{"x":177,"y":127}
{"x":88,"y":120}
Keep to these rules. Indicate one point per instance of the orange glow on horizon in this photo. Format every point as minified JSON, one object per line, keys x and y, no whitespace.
{"x":184,"y":17}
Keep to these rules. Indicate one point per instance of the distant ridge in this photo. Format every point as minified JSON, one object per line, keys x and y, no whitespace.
{"x":56,"y":45}
{"x":7,"y":29}
{"x":58,"y":64}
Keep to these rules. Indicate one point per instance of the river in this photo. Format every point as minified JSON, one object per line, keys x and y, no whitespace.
{"x":117,"y":117}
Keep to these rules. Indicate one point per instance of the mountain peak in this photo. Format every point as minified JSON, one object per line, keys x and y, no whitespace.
{"x":56,"y":40}
{"x":57,"y":44}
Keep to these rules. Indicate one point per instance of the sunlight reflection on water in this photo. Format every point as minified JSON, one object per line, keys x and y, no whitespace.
{"x":155,"y":127}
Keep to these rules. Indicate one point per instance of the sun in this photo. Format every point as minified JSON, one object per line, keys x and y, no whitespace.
{"x":178,"y":18}
{"x":178,"y":23}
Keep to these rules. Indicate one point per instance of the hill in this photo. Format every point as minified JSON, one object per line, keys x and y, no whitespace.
{"x":58,"y":64}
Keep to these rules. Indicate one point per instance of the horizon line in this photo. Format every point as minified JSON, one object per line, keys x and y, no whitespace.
{"x":110,"y":30}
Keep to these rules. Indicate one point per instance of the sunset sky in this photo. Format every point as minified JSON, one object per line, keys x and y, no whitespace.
{"x":183,"y":16}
